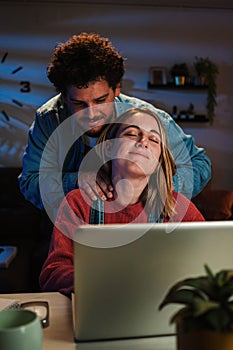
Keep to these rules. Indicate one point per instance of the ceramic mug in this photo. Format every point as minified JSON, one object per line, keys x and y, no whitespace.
{"x":20,"y":329}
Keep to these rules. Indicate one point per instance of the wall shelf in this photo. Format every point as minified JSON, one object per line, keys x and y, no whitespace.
{"x":182,"y":116}
{"x":198,"y":118}
{"x":172,"y":86}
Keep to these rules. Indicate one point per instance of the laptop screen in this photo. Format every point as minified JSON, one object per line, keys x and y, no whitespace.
{"x":122,"y":273}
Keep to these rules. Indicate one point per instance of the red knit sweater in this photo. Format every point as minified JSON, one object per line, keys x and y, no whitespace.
{"x":58,"y":270}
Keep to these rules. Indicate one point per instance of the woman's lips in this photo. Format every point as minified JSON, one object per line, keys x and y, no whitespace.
{"x":140,"y":154}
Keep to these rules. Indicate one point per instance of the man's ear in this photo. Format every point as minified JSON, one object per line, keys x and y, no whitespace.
{"x":118,"y":90}
{"x":64,"y":97}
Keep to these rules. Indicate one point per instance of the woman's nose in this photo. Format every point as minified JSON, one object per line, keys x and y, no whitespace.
{"x":143,"y":141}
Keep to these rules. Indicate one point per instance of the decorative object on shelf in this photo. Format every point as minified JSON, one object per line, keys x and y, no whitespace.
{"x":174,"y":113}
{"x":179,"y":73}
{"x":190,"y":111}
{"x":206,"y":321}
{"x":158,"y":76}
{"x":183,"y":114}
{"x":187,"y":114}
{"x":207,"y":73}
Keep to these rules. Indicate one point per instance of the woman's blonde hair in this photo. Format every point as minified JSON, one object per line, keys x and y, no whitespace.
{"x":157,"y":196}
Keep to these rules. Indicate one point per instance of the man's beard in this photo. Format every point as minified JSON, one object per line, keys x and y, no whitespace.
{"x":95,"y":132}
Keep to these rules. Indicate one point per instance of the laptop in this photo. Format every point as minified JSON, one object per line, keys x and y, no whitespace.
{"x":122,"y":273}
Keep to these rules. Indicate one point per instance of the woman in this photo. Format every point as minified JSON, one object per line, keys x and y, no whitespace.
{"x":134,"y":152}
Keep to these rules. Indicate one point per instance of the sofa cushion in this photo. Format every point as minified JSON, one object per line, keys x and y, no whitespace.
{"x":215,"y":204}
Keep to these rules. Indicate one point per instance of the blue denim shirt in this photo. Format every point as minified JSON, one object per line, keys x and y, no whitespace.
{"x":193,"y":166}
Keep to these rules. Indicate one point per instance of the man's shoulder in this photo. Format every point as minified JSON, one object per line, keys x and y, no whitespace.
{"x":53,"y":104}
{"x":134,"y":101}
{"x":52,"y":111}
{"x":124,"y":102}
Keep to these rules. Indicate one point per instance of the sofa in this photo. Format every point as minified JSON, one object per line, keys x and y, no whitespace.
{"x":22,"y":226}
{"x":215,"y":204}
{"x":29,"y":229}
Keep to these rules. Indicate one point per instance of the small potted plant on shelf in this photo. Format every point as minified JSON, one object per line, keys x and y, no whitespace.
{"x":207,"y":73}
{"x":179,"y":73}
{"x":206,"y":320}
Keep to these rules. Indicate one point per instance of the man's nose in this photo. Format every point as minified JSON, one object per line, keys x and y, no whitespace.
{"x":89,"y":112}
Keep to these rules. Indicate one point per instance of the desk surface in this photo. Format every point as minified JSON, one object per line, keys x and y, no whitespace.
{"x":59,"y":334}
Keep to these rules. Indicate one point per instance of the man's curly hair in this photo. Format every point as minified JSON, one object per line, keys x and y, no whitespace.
{"x":83,"y":59}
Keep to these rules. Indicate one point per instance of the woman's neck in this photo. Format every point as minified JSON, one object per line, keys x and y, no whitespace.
{"x":128,"y":190}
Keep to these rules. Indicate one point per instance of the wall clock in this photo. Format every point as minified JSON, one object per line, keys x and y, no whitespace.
{"x":12,"y":86}
{"x":16,"y":109}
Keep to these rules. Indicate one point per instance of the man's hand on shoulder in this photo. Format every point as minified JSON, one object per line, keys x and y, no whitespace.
{"x":95,"y":187}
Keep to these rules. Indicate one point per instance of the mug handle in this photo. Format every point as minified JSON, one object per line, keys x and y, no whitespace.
{"x":36,"y":305}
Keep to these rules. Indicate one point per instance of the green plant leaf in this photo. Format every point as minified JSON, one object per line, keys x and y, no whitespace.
{"x":229,"y":274}
{"x":201,"y":306}
{"x":218,"y":320}
{"x":208,"y":300}
{"x":208,"y":69}
{"x":226,"y":291}
{"x":181,"y":296}
{"x":201,"y":284}
{"x":224,"y":277}
{"x":209,"y":273}
{"x":221,"y":278}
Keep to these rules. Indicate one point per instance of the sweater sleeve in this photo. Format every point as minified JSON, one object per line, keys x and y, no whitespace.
{"x":57,"y":273}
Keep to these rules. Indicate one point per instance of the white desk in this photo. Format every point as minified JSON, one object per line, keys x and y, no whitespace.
{"x":59,"y":334}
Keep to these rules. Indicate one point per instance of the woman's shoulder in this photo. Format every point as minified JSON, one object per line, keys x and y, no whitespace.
{"x":78,"y":196}
{"x":185,"y":209}
{"x":180,"y":197}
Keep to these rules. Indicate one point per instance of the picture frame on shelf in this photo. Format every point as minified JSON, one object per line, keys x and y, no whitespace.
{"x":158,"y":76}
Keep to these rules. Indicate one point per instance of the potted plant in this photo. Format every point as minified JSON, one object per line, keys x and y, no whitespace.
{"x":206,"y":320}
{"x":207,"y":73}
{"x":179,"y":73}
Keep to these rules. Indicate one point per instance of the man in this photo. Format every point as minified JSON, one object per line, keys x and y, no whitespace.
{"x":87,"y":72}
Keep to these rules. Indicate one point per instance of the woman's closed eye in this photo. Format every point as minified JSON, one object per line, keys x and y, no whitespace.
{"x":154,"y":140}
{"x":131,"y":134}
{"x":135,"y":133}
